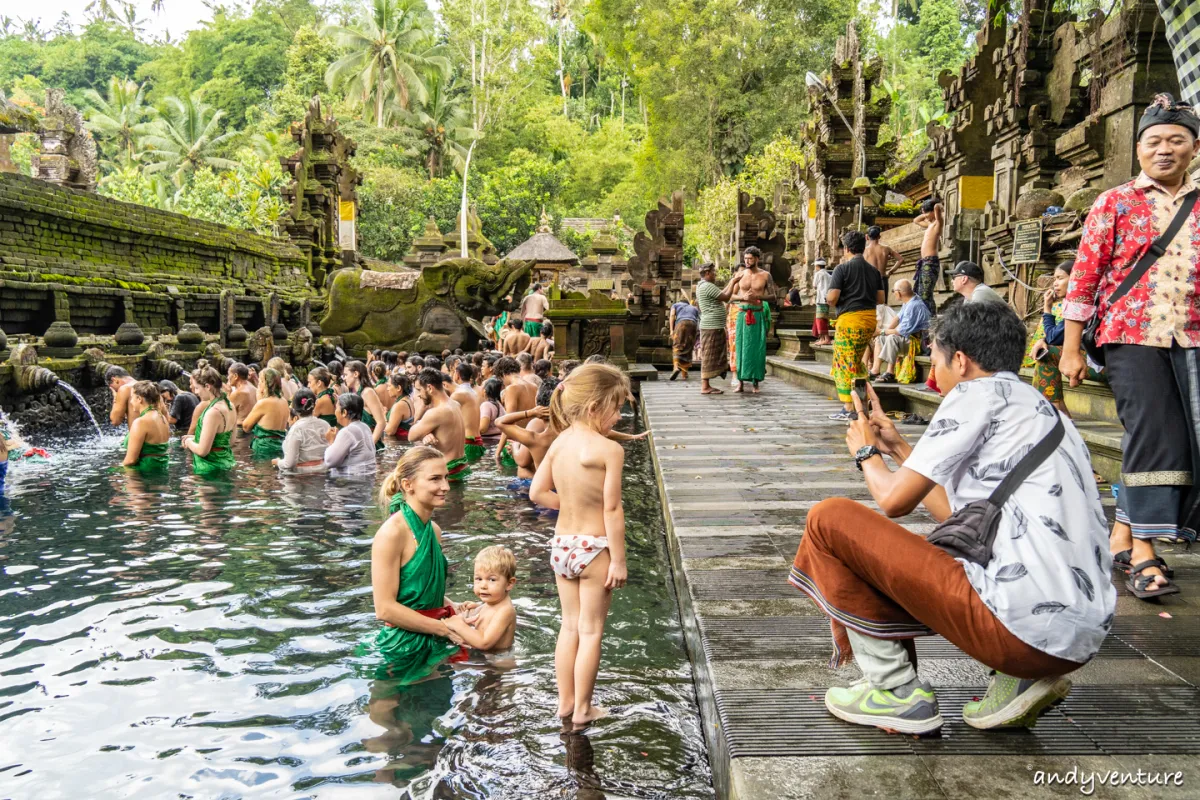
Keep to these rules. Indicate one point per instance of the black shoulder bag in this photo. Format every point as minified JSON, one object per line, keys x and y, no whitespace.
{"x":970,"y":532}
{"x":1155,"y":251}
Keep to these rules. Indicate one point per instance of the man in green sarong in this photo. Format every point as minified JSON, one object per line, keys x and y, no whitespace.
{"x":533,"y":310}
{"x":752,"y":291}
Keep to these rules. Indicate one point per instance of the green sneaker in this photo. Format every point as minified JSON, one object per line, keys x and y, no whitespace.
{"x":1013,"y":702}
{"x":911,"y":708}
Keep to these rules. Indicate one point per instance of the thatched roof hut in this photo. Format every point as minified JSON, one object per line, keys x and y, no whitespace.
{"x":544,"y":249}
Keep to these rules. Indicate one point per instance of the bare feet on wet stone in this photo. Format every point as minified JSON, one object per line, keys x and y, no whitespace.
{"x":588,"y":717}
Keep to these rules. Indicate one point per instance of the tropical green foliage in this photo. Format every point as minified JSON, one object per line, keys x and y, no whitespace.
{"x":586,"y":107}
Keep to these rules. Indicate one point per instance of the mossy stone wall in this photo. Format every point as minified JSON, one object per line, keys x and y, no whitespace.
{"x":111,"y":262}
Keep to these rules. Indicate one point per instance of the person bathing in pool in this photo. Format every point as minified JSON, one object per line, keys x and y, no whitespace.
{"x":438,"y":422}
{"x":268,"y":420}
{"x":581,"y":477}
{"x":536,"y":437}
{"x":320,"y":383}
{"x":468,"y":405}
{"x":214,"y":424}
{"x":400,"y":415}
{"x":374,"y":414}
{"x":146,"y":443}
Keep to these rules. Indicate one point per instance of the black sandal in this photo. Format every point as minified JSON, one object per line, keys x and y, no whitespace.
{"x":1139,"y":581}
{"x":1123,"y":560}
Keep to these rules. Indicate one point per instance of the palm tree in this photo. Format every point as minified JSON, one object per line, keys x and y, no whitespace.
{"x":185,"y":137}
{"x":390,"y":54}
{"x":442,"y":124}
{"x":120,"y":117}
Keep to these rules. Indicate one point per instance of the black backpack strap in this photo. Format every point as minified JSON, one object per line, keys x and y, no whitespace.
{"x":1157,"y":247}
{"x":1032,"y":460}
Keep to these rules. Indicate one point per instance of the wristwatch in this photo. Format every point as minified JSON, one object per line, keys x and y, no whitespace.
{"x":865,"y":452}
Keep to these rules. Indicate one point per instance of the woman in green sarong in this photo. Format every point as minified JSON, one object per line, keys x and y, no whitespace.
{"x":374,"y":413}
{"x":268,"y":420}
{"x":149,"y":434}
{"x":408,"y":572}
{"x":209,"y":445}
{"x":320,"y":381}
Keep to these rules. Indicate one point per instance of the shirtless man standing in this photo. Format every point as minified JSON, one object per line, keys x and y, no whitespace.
{"x":543,"y":345}
{"x":929,"y":265}
{"x":242,"y":393}
{"x":438,"y":421}
{"x":468,"y":403}
{"x":751,"y":291}
{"x":533,"y":309}
{"x":518,"y":395}
{"x":878,"y":255}
{"x":121,"y":383}
{"x":517,"y":340}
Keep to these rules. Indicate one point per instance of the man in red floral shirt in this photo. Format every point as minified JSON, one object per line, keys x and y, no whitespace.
{"x":1151,"y":339}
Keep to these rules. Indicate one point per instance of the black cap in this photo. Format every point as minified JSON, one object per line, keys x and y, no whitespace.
{"x":1165,"y":111}
{"x":968,"y":268}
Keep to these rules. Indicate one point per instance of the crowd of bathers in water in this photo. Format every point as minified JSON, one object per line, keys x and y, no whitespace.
{"x":447,"y":411}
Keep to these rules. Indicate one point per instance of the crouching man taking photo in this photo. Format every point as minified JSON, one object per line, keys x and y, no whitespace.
{"x":1033,"y":603}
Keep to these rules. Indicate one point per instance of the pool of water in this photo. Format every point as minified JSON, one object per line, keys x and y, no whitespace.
{"x":189,"y":637}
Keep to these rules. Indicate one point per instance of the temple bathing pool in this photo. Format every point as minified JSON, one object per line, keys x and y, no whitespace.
{"x":185,"y":637}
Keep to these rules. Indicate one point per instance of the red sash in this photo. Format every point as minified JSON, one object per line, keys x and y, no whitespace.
{"x":445,"y":612}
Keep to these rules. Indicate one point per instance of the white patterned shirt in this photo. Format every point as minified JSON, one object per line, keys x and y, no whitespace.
{"x":1049,"y":581}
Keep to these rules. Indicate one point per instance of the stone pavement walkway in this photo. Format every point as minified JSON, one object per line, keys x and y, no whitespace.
{"x":738,"y":474}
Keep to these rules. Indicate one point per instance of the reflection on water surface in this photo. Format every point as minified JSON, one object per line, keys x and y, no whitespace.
{"x":179,"y":636}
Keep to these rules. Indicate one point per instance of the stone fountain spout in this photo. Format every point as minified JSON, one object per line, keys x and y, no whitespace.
{"x":31,"y":378}
{"x":97,"y":365}
{"x":161,"y":367}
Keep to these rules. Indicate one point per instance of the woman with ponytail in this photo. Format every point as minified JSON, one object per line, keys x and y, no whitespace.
{"x":268,"y":420}
{"x":305,"y":445}
{"x":209,"y":445}
{"x":146,"y":443}
{"x":400,"y":415}
{"x":408,"y":571}
{"x":379,"y":382}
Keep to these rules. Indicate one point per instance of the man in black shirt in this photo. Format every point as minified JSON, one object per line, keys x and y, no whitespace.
{"x":181,"y":404}
{"x":856,"y":288}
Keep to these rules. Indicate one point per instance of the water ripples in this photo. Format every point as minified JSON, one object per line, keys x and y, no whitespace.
{"x":177,"y":635}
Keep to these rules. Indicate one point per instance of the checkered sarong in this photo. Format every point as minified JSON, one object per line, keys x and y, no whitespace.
{"x":1182,"y":20}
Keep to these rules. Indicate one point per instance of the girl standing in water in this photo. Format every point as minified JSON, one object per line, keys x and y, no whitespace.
{"x":491,"y":410}
{"x":215,"y":422}
{"x":408,"y":570}
{"x":146,"y":443}
{"x":319,"y":380}
{"x":581,"y":477}
{"x":374,"y":415}
{"x":379,"y":382}
{"x":268,"y":420}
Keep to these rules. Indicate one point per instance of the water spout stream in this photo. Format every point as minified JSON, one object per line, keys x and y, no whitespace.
{"x":82,"y":404}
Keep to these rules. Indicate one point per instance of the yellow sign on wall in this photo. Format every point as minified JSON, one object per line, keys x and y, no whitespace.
{"x":974,"y":191}
{"x":812,"y":208}
{"x":347,"y":238}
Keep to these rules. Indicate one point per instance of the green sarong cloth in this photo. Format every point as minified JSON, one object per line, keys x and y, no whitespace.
{"x":220,"y":457}
{"x":506,"y":457}
{"x":753,"y":322}
{"x":458,"y":470}
{"x":330,"y":418}
{"x":473,"y":450}
{"x":267,"y":443}
{"x":410,"y":655}
{"x":534,"y":327}
{"x":498,"y":326}
{"x":153,"y":456}
{"x":369,"y":421}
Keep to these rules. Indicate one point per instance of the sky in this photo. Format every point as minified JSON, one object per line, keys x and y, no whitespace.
{"x":176,"y":17}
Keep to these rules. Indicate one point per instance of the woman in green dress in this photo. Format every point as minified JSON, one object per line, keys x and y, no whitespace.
{"x":209,"y":445}
{"x":374,"y":413}
{"x":146,"y":443}
{"x":268,"y":420}
{"x":320,"y":381}
{"x":408,"y":571}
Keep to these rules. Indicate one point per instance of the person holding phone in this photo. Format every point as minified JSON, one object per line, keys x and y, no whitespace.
{"x":1046,"y":350}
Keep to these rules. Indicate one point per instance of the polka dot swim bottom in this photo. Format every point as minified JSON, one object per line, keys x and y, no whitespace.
{"x":570,"y":555}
